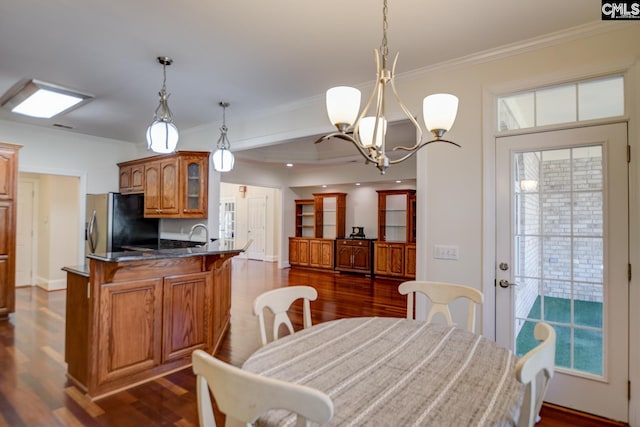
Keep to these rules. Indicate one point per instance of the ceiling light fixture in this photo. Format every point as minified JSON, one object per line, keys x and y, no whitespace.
{"x":162,"y":134}
{"x":223,"y":158}
{"x":343,"y":104}
{"x":35,"y":98}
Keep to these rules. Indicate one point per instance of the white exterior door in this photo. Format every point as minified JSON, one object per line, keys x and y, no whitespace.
{"x":256,"y":220}
{"x":562,"y":258}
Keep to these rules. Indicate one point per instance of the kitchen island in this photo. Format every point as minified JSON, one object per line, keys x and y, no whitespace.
{"x":133,"y":316}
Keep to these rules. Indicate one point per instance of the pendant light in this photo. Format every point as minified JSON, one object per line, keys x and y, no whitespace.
{"x":223,"y":159}
{"x":367,"y":130}
{"x":162,"y":134}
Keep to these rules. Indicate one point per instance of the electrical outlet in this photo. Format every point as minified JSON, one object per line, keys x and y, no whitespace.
{"x":445,"y":252}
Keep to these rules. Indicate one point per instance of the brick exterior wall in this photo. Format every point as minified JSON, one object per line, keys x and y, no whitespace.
{"x":546,"y":245}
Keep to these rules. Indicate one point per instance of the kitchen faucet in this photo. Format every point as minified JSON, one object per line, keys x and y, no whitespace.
{"x":206,"y":231}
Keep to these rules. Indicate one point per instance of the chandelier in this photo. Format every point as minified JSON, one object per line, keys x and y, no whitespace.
{"x":223,"y":158}
{"x":162,"y":134}
{"x":367,"y":130}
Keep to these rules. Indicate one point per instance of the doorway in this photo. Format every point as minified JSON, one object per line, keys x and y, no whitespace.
{"x":562,"y":258}
{"x":47,"y":229}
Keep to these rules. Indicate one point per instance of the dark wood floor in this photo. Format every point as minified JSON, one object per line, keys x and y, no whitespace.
{"x":34,"y":390}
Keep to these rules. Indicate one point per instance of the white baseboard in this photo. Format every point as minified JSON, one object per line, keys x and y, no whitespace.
{"x":51,"y":285}
{"x":271,"y":258}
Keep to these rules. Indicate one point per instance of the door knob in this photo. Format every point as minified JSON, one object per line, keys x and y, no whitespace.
{"x":504,"y":283}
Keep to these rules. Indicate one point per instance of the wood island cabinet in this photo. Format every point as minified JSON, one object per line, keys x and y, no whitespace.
{"x":132,"y":320}
{"x":8,"y":203}
{"x":174,"y":185}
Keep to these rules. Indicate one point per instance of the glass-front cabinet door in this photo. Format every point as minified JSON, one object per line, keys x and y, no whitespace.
{"x":194,"y":176}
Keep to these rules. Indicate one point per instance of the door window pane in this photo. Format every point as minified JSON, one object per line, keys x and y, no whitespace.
{"x":558,"y":252}
{"x":516,"y":111}
{"x":556,"y":105}
{"x":601,"y":98}
{"x":588,"y":100}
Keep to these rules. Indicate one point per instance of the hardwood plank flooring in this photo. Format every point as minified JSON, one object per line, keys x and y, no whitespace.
{"x":34,"y":390}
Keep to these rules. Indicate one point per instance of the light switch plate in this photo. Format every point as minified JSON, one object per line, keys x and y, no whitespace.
{"x":445,"y":252}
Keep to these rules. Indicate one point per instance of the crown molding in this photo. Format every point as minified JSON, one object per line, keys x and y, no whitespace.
{"x":536,"y":43}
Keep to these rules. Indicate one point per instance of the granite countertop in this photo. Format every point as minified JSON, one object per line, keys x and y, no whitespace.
{"x":81,"y":270}
{"x":139,"y":254}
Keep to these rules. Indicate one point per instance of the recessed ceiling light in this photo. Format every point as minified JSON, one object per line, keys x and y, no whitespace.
{"x":289,"y":165}
{"x":357,"y":183}
{"x":41,"y":100}
{"x":324,"y":185}
{"x":398,"y":181}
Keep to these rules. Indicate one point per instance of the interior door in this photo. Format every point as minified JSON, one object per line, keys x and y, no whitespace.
{"x":25,"y":235}
{"x":562,"y":258}
{"x":256,"y":215}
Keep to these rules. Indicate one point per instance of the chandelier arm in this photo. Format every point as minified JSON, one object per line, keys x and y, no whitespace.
{"x":346,"y":137}
{"x":376,"y":89}
{"x":415,"y":149}
{"x":404,"y":108}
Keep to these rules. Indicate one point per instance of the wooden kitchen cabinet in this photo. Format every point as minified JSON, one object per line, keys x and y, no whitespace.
{"x":354,"y":255}
{"x":221,"y":300}
{"x":395,"y":253}
{"x":130,"y":328}
{"x":330,"y":212}
{"x":299,"y":251}
{"x":132,"y":178}
{"x":319,"y":221}
{"x":321,"y":253}
{"x":131,"y":320}
{"x":305,"y":218}
{"x":186,"y":303}
{"x":314,"y":253}
{"x":161,"y":194}
{"x":389,"y":259}
{"x":8,"y":203}
{"x":174,"y":185}
{"x":193,"y":172}
{"x":410,"y":260}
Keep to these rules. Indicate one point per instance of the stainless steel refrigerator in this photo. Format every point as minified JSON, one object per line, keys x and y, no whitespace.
{"x":117,"y":220}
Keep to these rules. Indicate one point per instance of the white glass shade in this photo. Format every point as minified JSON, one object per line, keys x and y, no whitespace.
{"x":366,"y":131}
{"x":222,"y":160}
{"x":162,"y":137}
{"x":343,"y":105}
{"x":440,"y":111}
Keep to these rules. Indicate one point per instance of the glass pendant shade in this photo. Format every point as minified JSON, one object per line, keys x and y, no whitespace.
{"x":366,"y":131}
{"x":162,"y":137}
{"x":222,"y":160}
{"x":343,"y":105}
{"x":439,"y":111}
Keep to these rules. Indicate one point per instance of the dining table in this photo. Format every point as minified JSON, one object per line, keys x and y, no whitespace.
{"x":384,"y":371}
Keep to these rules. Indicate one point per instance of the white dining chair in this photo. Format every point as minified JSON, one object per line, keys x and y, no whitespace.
{"x":278,"y":301}
{"x":441,"y":295}
{"x":535,"y":370}
{"x":244,"y":396}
